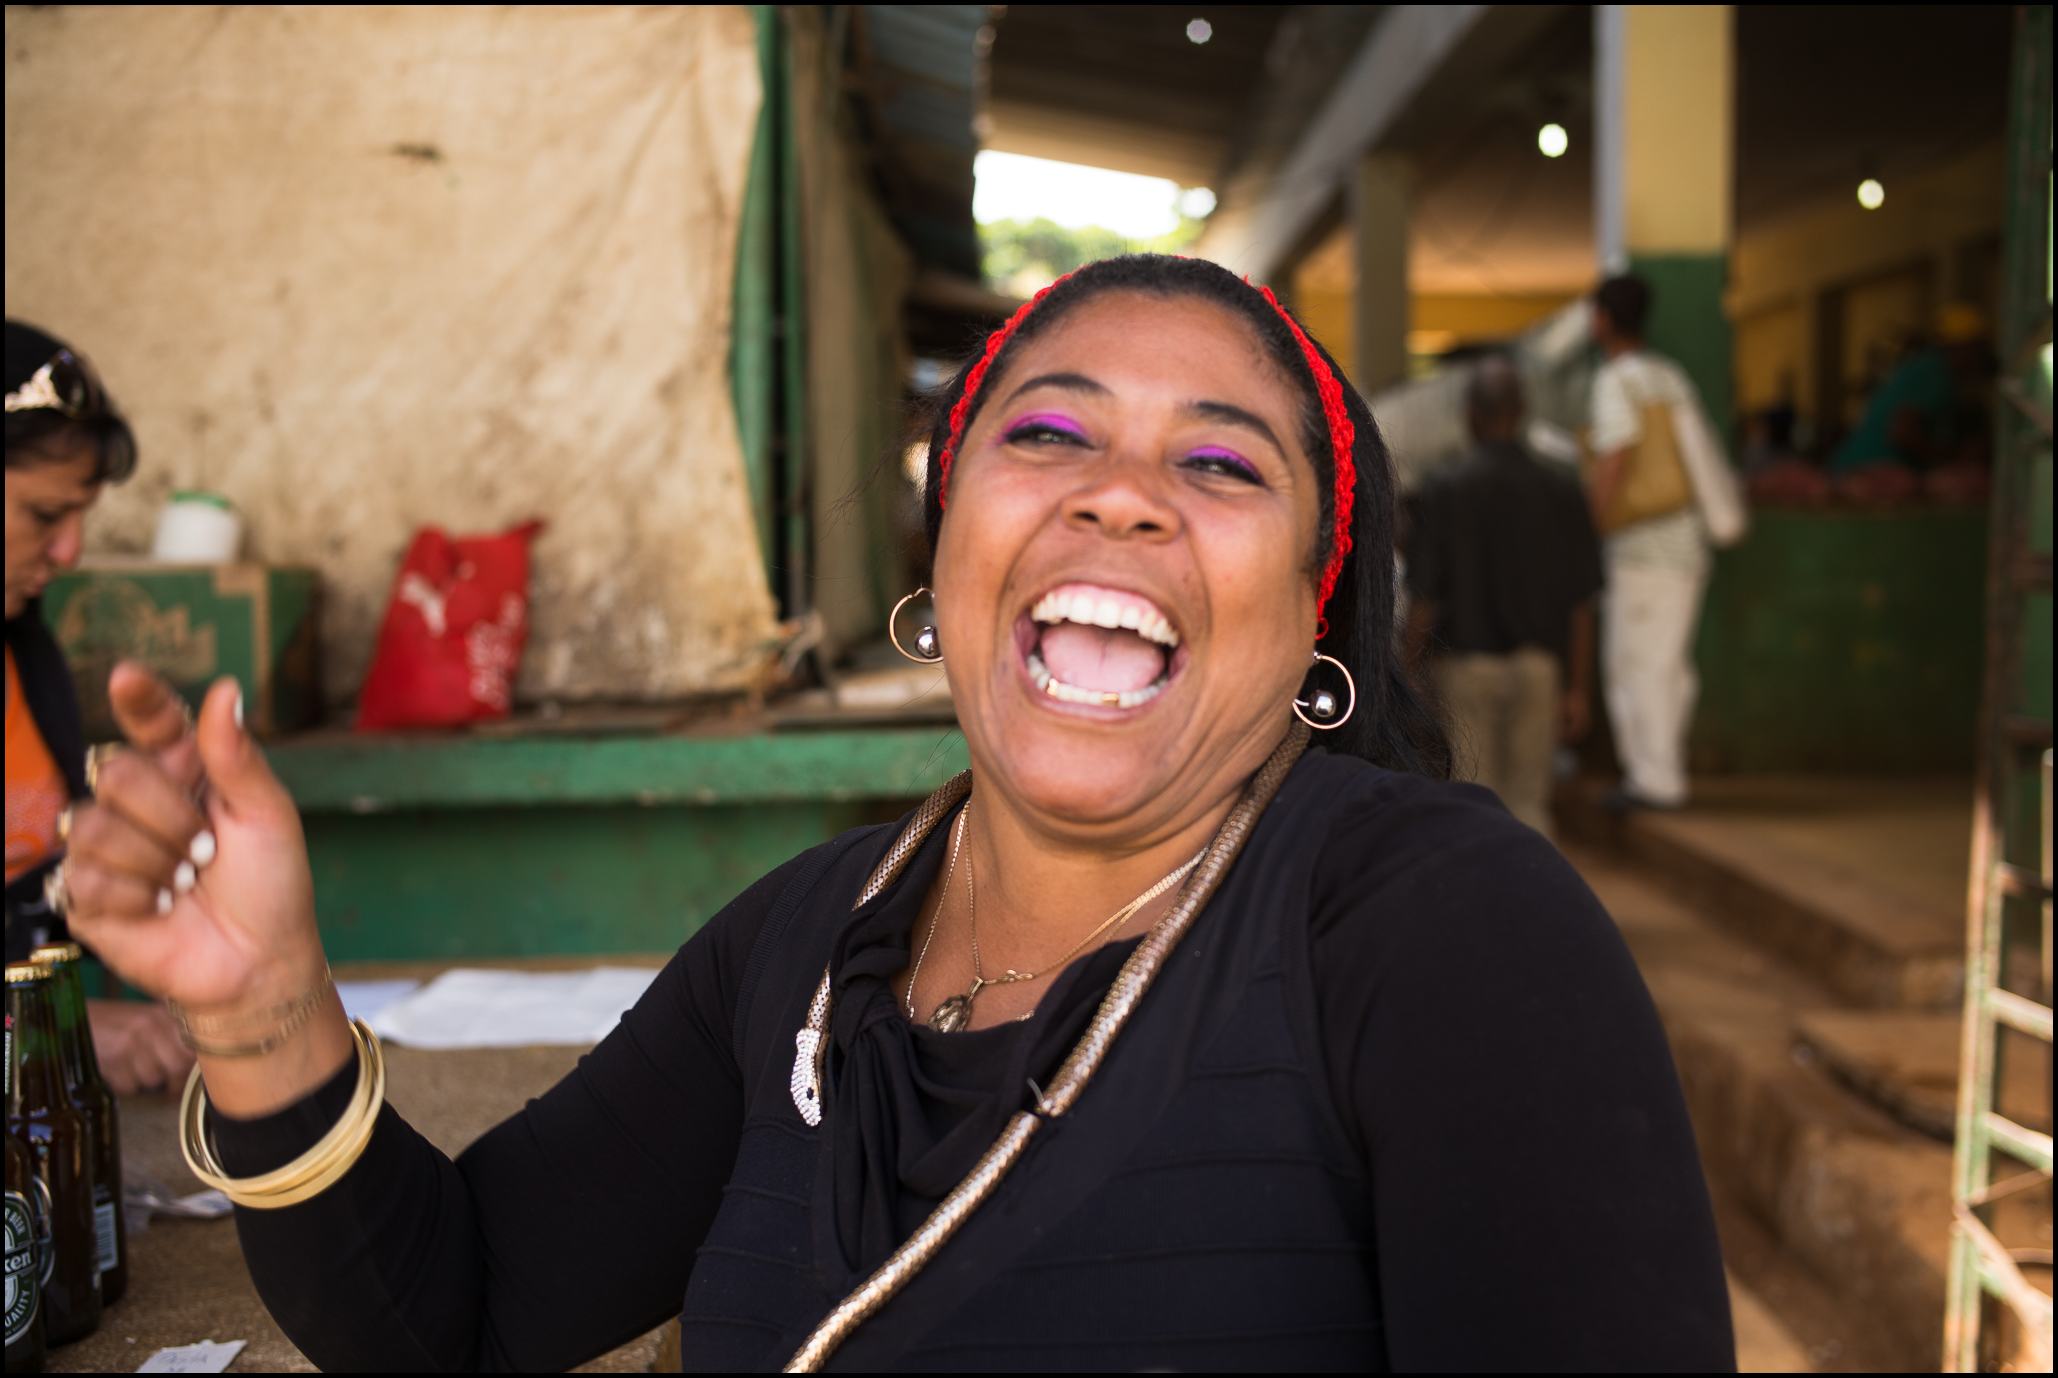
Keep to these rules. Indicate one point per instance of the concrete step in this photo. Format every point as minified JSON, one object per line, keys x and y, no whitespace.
{"x":1906,"y":1062}
{"x":1855,"y":1199}
{"x":1859,"y":884}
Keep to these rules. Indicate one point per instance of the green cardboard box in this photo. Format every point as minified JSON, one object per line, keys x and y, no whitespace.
{"x":193,"y":624}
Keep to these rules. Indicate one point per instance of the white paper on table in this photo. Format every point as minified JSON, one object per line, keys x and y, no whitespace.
{"x":468,"y":1008}
{"x":205,"y":1357}
{"x":364,"y":999}
{"x":203,"y":1205}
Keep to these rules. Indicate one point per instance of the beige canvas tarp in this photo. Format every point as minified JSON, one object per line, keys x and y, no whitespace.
{"x":365,"y":269}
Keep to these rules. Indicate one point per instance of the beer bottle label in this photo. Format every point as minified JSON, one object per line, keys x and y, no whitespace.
{"x":44,"y":1214}
{"x":103,"y":1232}
{"x":24,"y":1283}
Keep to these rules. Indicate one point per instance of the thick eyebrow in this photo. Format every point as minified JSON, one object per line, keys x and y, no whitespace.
{"x":1236,"y":416}
{"x":1213,"y":411}
{"x":1071,"y":382}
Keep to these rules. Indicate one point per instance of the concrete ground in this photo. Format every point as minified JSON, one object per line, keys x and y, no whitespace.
{"x":1801,"y":939}
{"x":1912,"y":835}
{"x":1764,"y":1344}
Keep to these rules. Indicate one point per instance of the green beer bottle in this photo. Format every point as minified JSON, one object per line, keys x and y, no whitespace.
{"x":24,"y":1263}
{"x":88,"y":1093}
{"x":60,"y":1150}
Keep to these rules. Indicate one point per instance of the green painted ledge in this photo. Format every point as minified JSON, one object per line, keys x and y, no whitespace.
{"x":379,"y":774}
{"x":459,"y":848}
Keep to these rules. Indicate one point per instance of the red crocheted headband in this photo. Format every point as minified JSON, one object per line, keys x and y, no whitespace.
{"x":1342,"y":434}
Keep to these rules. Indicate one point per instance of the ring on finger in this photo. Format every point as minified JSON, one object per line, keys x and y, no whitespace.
{"x":57,"y":887}
{"x":97,"y":756}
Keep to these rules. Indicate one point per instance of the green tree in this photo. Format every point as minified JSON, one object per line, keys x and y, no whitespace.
{"x":1024,"y":256}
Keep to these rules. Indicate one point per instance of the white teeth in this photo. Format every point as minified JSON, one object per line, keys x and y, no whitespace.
{"x":1092,"y":610}
{"x":1056,"y":688}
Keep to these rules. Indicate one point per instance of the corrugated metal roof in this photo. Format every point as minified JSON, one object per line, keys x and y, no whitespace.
{"x":919,"y":71}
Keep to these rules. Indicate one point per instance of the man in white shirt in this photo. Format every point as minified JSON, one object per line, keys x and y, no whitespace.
{"x":1657,"y":569}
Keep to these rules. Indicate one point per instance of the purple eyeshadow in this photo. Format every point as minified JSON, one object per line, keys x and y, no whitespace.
{"x":1054,"y":420}
{"x":1229,"y":457}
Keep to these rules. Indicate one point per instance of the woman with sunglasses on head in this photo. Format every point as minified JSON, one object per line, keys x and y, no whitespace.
{"x":1203,"y":1024}
{"x":65,"y":441}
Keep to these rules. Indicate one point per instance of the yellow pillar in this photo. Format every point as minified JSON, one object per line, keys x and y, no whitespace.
{"x":1379,"y":201}
{"x":1665,"y":174}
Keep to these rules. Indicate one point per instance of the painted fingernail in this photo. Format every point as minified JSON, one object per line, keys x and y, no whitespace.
{"x":185,"y":877}
{"x":202,"y":850}
{"x":164,"y":901}
{"x":239,"y":708}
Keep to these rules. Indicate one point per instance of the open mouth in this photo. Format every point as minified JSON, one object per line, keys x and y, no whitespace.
{"x":1099,"y":647}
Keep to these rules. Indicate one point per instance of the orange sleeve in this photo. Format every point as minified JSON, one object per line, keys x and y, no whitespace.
{"x":36,"y":792}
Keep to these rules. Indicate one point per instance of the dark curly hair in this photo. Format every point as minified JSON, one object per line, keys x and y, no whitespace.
{"x":37,"y":434}
{"x":1390,"y":726}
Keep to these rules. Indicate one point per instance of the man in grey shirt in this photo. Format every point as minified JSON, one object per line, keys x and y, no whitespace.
{"x":1502,"y":571}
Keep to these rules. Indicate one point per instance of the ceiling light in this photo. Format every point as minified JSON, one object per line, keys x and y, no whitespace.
{"x":1871,"y":194}
{"x":1199,"y":31}
{"x":1552,"y":141}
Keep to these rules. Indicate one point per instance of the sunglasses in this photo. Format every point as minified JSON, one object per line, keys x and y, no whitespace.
{"x":65,"y":385}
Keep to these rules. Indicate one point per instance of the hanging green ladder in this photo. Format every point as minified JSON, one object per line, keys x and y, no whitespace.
{"x":2008,"y":947}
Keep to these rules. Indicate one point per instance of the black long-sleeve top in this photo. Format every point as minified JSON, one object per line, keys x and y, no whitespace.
{"x":1485,"y":1038}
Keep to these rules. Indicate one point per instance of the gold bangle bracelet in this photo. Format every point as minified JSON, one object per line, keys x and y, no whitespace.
{"x":200,"y":1150}
{"x":313,"y":1171}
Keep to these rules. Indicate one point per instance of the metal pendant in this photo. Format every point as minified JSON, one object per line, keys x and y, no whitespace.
{"x":809,"y":1043}
{"x":806,"y":1084}
{"x":952,"y":1015}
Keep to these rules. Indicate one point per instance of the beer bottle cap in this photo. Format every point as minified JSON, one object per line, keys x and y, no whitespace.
{"x":23,"y":973}
{"x":50,"y":954}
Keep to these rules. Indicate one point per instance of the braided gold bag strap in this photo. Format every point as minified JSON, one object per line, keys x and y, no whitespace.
{"x":1116,"y":1006}
{"x":933,"y":811}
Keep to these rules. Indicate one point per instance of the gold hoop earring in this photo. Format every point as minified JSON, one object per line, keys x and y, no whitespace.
{"x":928,"y":651}
{"x":1319,"y":709}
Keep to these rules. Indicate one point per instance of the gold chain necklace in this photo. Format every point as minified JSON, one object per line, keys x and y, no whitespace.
{"x":948,"y":871}
{"x":956,"y":1012}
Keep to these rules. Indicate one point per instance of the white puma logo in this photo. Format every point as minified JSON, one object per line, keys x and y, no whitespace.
{"x":420,"y":592}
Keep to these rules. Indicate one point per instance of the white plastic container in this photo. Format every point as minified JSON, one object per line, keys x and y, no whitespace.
{"x":198,"y":528}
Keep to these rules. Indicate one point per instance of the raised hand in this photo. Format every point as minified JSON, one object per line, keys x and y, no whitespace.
{"x":187,"y":873}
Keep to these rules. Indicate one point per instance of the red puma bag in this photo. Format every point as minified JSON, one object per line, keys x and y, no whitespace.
{"x":454,"y":631}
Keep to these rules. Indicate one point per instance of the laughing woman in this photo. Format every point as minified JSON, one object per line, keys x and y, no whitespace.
{"x":1174,"y":1035}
